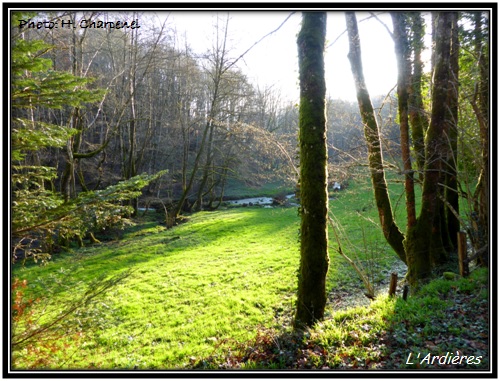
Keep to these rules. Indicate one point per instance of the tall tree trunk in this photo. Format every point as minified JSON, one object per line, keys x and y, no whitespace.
{"x":72,"y":146}
{"x":417,"y":114}
{"x":372,"y":135}
{"x":314,"y":261}
{"x":452,"y":224}
{"x":130,"y":166}
{"x":424,"y":246}
{"x":403,"y":58}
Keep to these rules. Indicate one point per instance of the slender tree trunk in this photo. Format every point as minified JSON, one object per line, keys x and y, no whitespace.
{"x":68,"y":173}
{"x":372,"y":135}
{"x":314,"y":261}
{"x":185,"y":150}
{"x":452,"y":224}
{"x":131,"y":169}
{"x":72,"y":145}
{"x":403,"y":57}
{"x":206,"y":169}
{"x":417,"y":115}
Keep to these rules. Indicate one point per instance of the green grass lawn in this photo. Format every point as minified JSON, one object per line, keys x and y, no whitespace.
{"x":221,"y":275}
{"x":199,"y":290}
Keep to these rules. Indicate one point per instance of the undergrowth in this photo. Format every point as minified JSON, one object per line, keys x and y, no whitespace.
{"x":448,"y":320}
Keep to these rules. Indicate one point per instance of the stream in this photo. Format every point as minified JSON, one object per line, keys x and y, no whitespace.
{"x":256,"y":201}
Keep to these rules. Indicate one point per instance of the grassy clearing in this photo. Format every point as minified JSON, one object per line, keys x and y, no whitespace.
{"x":221,"y":275}
{"x":218,"y":291}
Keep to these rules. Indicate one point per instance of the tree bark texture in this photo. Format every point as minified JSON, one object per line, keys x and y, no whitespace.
{"x":417,"y":113}
{"x":452,"y":224}
{"x":424,"y":246}
{"x":402,"y":47}
{"x":372,"y":135}
{"x":314,"y":259}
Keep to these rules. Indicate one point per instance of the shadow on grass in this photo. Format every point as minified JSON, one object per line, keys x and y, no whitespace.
{"x":445,"y":327}
{"x":150,"y":241}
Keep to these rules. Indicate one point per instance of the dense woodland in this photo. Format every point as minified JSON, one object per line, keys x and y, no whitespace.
{"x":106,"y":122}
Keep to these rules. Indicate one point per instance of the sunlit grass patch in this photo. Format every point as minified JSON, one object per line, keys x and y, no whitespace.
{"x":217,"y":277}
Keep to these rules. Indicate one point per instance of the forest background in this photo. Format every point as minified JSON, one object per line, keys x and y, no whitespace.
{"x":217,"y":125}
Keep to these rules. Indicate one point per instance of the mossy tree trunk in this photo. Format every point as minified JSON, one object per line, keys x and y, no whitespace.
{"x":402,"y":47}
{"x":423,"y":243}
{"x":372,"y":135}
{"x":417,"y":114}
{"x":314,"y":261}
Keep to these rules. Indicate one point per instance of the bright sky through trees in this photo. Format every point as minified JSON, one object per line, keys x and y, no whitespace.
{"x":274,"y":60}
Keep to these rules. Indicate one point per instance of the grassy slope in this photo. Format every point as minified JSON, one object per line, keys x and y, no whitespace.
{"x":222,"y":279}
{"x":220,"y":275}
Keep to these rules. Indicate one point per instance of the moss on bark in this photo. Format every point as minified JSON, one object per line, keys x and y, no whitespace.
{"x":314,"y":261}
{"x":423,"y":243}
